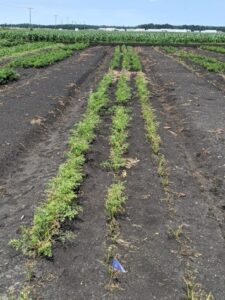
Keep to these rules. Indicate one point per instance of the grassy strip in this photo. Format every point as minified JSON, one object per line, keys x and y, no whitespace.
{"x":49,"y":216}
{"x":214,"y":49}
{"x":7,"y":74}
{"x":44,"y":59}
{"x":115,"y":63}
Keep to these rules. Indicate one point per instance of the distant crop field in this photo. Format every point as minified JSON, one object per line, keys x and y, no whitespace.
{"x":94,"y":36}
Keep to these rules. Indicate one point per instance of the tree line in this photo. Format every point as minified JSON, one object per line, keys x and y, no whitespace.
{"x":144,"y":26}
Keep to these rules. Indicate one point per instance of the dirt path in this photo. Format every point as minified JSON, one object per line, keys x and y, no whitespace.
{"x":28,"y":105}
{"x":192,"y":111}
{"x":25,"y":184}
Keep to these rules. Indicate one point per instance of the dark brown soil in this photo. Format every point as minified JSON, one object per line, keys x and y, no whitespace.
{"x":153,"y":271}
{"x":194,"y":146}
{"x":24,"y":183}
{"x":26,"y":106}
{"x":191,"y":112}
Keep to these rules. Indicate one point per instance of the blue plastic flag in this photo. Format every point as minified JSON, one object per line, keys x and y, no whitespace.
{"x":117,"y":266}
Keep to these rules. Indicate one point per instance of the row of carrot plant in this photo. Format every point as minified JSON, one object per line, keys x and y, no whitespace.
{"x":36,"y":58}
{"x":127,"y":57}
{"x":209,"y":63}
{"x":116,"y":196}
{"x":38,"y":238}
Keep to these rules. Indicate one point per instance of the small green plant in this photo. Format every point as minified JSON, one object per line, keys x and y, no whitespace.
{"x":110,"y":253}
{"x":163,"y":171}
{"x":123,"y":91}
{"x":135,"y":63}
{"x":169,"y":49}
{"x":23,"y":294}
{"x":131,"y":61}
{"x":126,"y":58}
{"x":118,"y":138}
{"x":113,"y":231}
{"x":148,"y":113}
{"x":194,"y":291}
{"x":7,"y":74}
{"x":176,"y":233}
{"x":115,"y":200}
{"x":152,"y":126}
{"x":115,"y":63}
{"x":30,"y":266}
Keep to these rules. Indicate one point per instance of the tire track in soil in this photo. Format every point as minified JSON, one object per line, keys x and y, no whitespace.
{"x":182,"y":103}
{"x":24,"y":187}
{"x":153,"y":271}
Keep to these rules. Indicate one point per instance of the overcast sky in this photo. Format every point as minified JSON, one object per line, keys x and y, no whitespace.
{"x":115,"y":12}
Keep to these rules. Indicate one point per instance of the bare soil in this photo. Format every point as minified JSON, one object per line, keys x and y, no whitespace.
{"x":27,"y":105}
{"x":191,"y":113}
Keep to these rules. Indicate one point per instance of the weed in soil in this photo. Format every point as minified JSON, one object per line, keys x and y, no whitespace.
{"x":193,"y":290}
